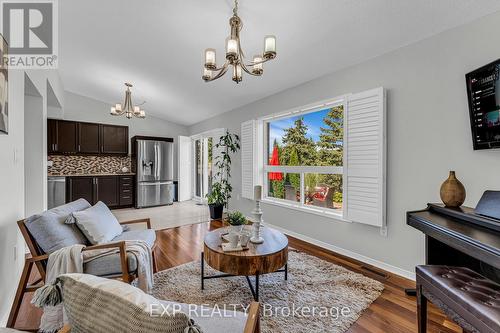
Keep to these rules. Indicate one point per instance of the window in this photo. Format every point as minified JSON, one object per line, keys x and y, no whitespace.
{"x":328,"y":159}
{"x":304,"y":154}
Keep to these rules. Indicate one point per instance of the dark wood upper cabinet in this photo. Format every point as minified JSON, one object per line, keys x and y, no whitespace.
{"x":81,"y":187}
{"x":88,"y":138}
{"x":107,"y":190}
{"x":71,"y":137}
{"x":66,"y":138}
{"x":51,"y":135}
{"x":114,"y":139}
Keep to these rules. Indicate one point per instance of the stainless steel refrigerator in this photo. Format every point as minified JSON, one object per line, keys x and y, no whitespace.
{"x":154,"y":159}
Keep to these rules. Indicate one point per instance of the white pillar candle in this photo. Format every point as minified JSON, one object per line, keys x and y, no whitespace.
{"x":257,"y":192}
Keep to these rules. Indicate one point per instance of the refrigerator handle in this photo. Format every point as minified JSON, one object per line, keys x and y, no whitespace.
{"x":156,"y":162}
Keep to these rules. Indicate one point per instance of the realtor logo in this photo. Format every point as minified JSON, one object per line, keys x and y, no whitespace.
{"x":30,"y":29}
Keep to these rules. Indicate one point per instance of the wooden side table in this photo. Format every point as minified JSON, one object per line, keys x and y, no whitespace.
{"x":268,"y":257}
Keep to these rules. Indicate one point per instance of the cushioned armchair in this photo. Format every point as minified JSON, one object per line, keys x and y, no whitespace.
{"x":47,"y":232}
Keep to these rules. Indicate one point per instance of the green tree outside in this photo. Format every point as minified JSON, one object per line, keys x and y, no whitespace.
{"x":299,"y":149}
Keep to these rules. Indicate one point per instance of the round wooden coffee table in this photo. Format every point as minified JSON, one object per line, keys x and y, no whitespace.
{"x":268,"y":257}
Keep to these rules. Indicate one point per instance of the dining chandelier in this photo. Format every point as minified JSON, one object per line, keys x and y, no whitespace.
{"x":235,"y":56}
{"x":128,"y":109}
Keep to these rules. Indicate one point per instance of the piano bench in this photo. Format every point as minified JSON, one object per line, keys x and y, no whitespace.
{"x":466,"y":297}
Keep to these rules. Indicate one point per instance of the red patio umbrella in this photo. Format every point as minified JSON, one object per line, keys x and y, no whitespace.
{"x":275,"y":161}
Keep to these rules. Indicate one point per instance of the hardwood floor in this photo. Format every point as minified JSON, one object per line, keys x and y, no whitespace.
{"x":393,"y":311}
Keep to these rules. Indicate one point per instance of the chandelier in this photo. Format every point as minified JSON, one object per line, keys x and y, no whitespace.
{"x":235,"y":56}
{"x":128,"y":109}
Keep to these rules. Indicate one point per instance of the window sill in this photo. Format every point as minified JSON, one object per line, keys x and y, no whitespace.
{"x":316,"y":211}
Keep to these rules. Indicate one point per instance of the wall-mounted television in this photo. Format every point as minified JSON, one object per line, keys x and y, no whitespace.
{"x":483,"y":89}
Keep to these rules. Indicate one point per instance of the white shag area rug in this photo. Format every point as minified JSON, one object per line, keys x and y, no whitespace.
{"x":318,"y":297}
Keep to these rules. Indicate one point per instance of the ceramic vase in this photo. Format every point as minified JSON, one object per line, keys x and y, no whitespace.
{"x":452,"y":191}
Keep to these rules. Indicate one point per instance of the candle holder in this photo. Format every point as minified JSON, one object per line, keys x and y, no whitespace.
{"x":257,"y":212}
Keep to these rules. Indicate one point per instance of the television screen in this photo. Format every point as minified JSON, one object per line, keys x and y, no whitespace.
{"x":483,"y":88}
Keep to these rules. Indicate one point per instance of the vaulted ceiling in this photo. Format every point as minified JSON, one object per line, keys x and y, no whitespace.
{"x":158,"y":45}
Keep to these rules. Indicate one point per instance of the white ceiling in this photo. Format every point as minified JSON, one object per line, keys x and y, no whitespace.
{"x":158,"y":45}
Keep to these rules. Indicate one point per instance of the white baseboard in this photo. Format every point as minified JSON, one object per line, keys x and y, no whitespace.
{"x":348,"y":253}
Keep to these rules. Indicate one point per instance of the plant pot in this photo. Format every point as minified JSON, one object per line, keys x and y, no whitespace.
{"x":216,"y":211}
{"x":235,"y":229}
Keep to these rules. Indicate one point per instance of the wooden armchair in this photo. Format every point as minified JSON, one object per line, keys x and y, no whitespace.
{"x":39,"y":259}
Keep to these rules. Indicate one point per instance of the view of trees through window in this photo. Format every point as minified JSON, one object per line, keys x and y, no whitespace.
{"x":312,"y":139}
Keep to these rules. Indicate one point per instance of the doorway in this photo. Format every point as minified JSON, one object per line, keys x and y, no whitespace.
{"x":204,"y":153}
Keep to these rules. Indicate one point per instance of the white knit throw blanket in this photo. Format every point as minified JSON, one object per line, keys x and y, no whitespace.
{"x":141,"y":251}
{"x":71,"y":259}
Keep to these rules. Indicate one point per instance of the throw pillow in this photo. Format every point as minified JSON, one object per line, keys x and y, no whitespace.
{"x":100,"y":305}
{"x":49,"y":228}
{"x":98,"y":224}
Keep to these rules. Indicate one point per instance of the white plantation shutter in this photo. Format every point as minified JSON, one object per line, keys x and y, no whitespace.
{"x":365,"y":157}
{"x":248,"y":158}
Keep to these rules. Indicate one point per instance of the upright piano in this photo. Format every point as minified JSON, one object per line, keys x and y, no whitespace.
{"x":459,"y":237}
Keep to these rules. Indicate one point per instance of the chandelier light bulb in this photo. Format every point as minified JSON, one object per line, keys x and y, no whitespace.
{"x":258,"y":66}
{"x":237,"y":74}
{"x":207,"y":74}
{"x":270,"y":47}
{"x":210,"y":60}
{"x":231,"y":48}
{"x":118,"y":107}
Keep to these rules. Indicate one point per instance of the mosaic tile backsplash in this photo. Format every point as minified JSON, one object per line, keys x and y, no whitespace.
{"x":77,"y":165}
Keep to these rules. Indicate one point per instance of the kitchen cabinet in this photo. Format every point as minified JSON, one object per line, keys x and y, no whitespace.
{"x":114,"y":190}
{"x":114,"y":139}
{"x":126,"y":191}
{"x":82,"y":138}
{"x":107,"y":191}
{"x":80,"y":187}
{"x":88,"y":138}
{"x":61,"y":136}
{"x":51,"y":135}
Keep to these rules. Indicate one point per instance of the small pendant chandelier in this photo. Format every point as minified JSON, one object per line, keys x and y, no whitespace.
{"x":235,"y":56}
{"x":128,"y":109}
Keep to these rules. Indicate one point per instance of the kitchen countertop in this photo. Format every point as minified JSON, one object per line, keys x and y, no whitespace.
{"x":91,"y":174}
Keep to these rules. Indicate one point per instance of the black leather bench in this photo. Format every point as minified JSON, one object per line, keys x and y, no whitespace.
{"x":468,"y":298}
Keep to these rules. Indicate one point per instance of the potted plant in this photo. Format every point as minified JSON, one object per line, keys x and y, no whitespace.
{"x":216,"y":201}
{"x":220,"y":194}
{"x":237,"y":220}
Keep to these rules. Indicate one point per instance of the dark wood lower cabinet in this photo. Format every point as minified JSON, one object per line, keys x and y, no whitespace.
{"x":80,"y":187}
{"x":107,"y":190}
{"x":114,"y":191}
